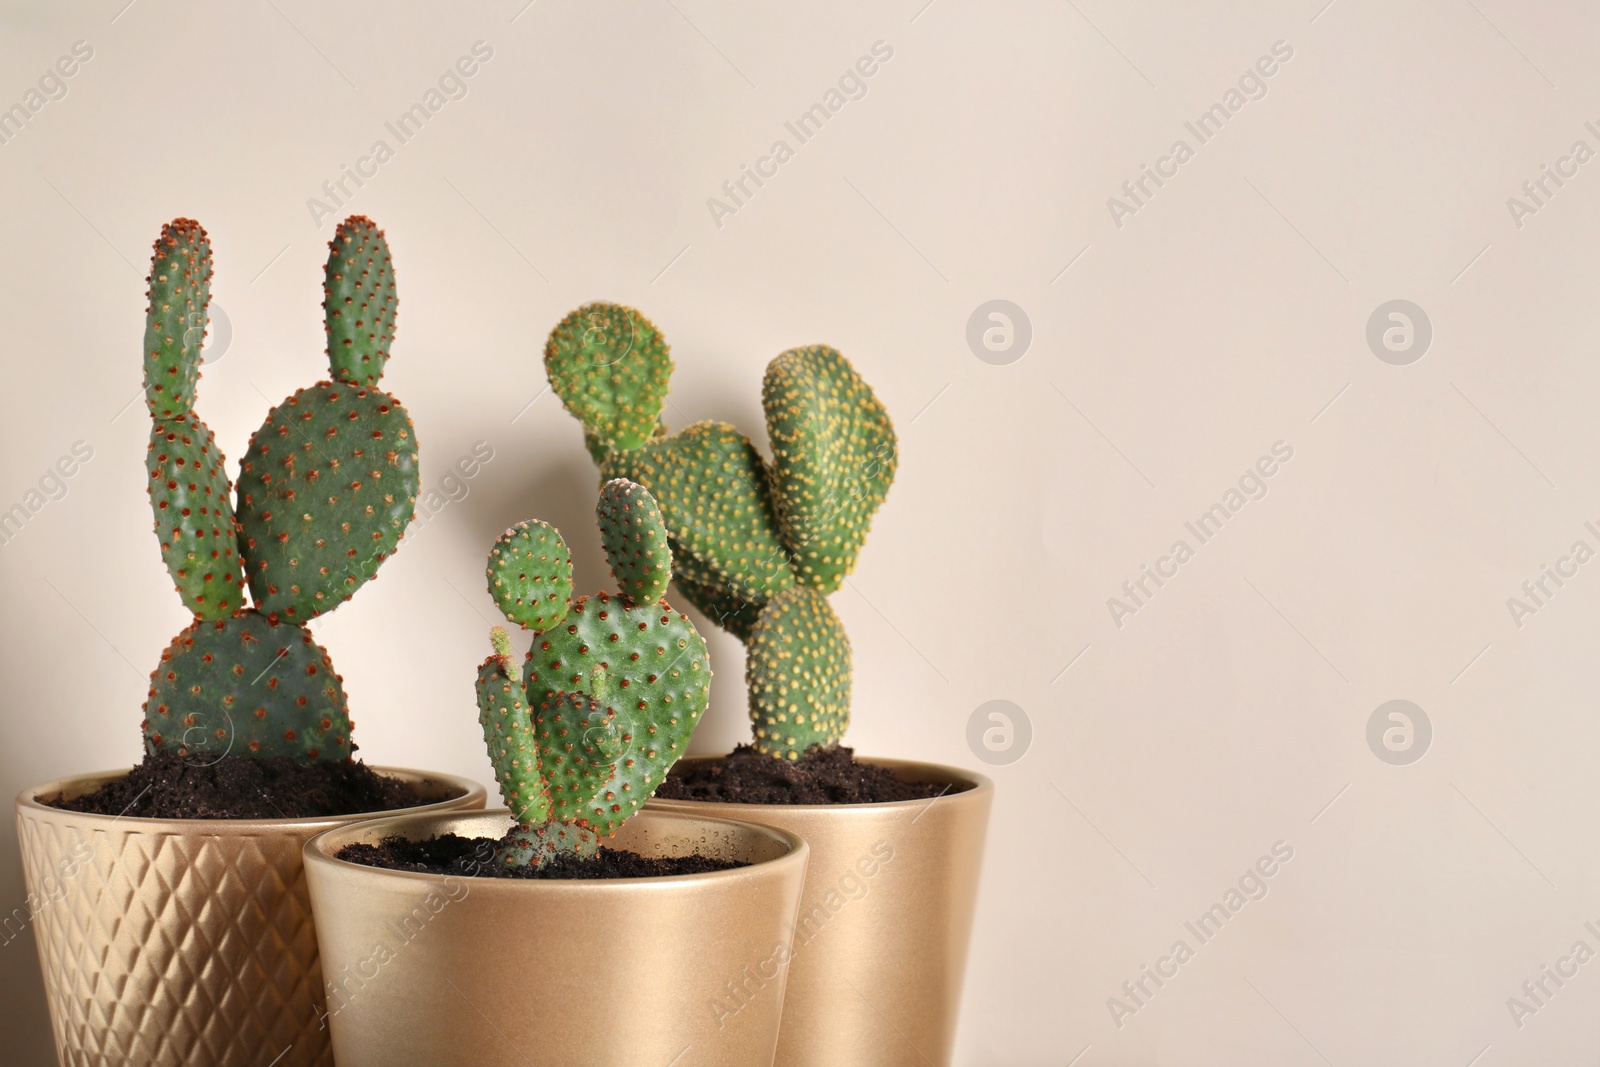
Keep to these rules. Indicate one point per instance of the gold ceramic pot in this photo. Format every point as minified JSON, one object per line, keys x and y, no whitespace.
{"x":437,"y":969}
{"x":880,"y":946}
{"x":182,"y":942}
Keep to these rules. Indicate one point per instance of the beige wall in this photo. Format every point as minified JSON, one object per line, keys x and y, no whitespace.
{"x":1226,"y":313}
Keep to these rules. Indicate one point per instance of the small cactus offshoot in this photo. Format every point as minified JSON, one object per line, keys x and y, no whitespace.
{"x":582,"y":731}
{"x":324,"y":493}
{"x":756,"y":546}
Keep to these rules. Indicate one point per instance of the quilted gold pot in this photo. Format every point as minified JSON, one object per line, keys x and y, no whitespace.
{"x":686,"y":971}
{"x":880,"y":947}
{"x":182,"y":942}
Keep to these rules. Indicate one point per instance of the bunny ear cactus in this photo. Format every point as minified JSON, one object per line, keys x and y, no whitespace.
{"x":584,"y":730}
{"x":330,"y":480}
{"x":757,"y":547}
{"x":324,"y":492}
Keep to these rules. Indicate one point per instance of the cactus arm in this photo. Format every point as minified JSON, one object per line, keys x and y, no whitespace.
{"x":359,"y":302}
{"x":635,"y":541}
{"x":191,"y":498}
{"x":176,"y":317}
{"x":548,"y":764}
{"x":833,"y":459}
{"x":610,"y":367}
{"x":797,"y":669}
{"x":330,"y":480}
{"x":544,"y":763}
{"x":190,"y":494}
{"x":530,"y":575}
{"x":508,"y":732}
{"x":711,"y":484}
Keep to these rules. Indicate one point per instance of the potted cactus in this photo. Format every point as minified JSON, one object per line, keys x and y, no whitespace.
{"x":174,"y":925}
{"x":758,"y":545}
{"x":573,"y":927}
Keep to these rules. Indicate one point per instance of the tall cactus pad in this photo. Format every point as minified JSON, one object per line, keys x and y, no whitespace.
{"x":507,"y":730}
{"x":724,"y":609}
{"x":833,"y":458}
{"x":711,"y":484}
{"x":189,"y":494}
{"x":530,"y":575}
{"x":358,"y":302}
{"x":635,"y":540}
{"x":175,"y":319}
{"x":653,"y":671}
{"x":246,"y":686}
{"x":797,"y":668}
{"x":325,"y":492}
{"x":610,"y":367}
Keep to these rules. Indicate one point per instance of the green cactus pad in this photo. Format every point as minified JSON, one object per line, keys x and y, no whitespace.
{"x":189,"y":494}
{"x":507,"y":730}
{"x":537,"y":844}
{"x":530,"y":575}
{"x":176,"y":317}
{"x":610,"y":367}
{"x":654,"y":674}
{"x":246,"y":686}
{"x":797,"y":668}
{"x":711,"y":484}
{"x":635,"y":540}
{"x":719,"y":606}
{"x":579,"y":742}
{"x":833,"y":457}
{"x":325,"y":491}
{"x":358,"y":302}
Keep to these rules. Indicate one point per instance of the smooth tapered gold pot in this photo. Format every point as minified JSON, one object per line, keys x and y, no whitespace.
{"x":431,"y":969}
{"x":182,"y":942}
{"x":880,"y":946}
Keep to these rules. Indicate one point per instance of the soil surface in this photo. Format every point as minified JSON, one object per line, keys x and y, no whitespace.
{"x":243,"y":787}
{"x":821,"y":776}
{"x":474,"y":857}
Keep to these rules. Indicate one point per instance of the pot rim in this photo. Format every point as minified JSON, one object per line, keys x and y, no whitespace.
{"x":461,"y":788}
{"x":318,"y":852}
{"x":978,"y":785}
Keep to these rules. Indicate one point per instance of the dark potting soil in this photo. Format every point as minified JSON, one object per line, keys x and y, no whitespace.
{"x":243,"y":787}
{"x":821,"y":776}
{"x":473,"y":857}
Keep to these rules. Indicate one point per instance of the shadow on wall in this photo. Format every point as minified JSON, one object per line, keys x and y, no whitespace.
{"x":559,"y":486}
